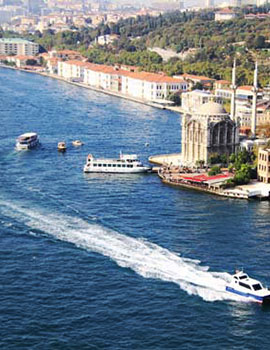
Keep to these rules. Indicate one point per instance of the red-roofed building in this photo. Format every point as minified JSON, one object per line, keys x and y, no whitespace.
{"x":52,"y":65}
{"x":66,"y":54}
{"x":21,"y":60}
{"x":151,"y":86}
{"x":126,"y":79}
{"x":192,"y":79}
{"x":222,"y":84}
{"x":225,"y":14}
{"x":72,"y":70}
{"x":259,"y":16}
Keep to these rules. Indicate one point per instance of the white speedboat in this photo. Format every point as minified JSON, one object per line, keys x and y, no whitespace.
{"x":126,"y":164}
{"x":242,"y":285}
{"x":27,"y":141}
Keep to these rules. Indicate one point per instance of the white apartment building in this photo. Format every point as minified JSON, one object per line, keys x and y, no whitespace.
{"x":243,"y":101}
{"x":142,"y":85}
{"x":17,"y":46}
{"x":72,"y":70}
{"x":103,"y":77}
{"x":151,"y":86}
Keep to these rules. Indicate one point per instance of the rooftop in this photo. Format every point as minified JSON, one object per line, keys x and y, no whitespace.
{"x":226,"y":11}
{"x":245,"y":87}
{"x":145,"y":76}
{"x":192,"y":76}
{"x":222,"y":82}
{"x":206,"y":178}
{"x":15,"y":40}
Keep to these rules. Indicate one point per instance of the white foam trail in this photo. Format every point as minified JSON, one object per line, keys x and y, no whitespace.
{"x":147,"y":259}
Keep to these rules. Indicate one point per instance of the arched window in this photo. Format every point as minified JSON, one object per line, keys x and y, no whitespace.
{"x":229,"y":134}
{"x":215,"y":135}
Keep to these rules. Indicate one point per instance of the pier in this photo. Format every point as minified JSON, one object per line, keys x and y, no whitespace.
{"x":175,"y":176}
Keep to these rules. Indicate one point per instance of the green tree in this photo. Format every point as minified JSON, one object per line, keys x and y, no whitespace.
{"x":214,"y":170}
{"x":243,"y":175}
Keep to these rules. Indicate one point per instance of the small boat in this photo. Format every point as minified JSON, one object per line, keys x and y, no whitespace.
{"x":77,"y":143}
{"x":61,"y":146}
{"x":27,"y":141}
{"x":125,"y":164}
{"x":242,"y":285}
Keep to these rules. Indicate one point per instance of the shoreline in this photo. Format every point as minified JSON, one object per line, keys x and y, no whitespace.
{"x":253,"y":190}
{"x":174,"y":109}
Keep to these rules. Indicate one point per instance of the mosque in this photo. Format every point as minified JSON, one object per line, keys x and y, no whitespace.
{"x":211,"y":130}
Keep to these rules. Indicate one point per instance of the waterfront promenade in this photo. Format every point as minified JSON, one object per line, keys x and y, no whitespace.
{"x":176,"y":109}
{"x":201,"y":181}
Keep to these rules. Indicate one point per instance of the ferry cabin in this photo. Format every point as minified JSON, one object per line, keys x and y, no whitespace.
{"x":125,"y":164}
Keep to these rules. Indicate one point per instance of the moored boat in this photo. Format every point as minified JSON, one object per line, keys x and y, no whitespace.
{"x":125,"y":164}
{"x":244,"y":286}
{"x":27,"y":141}
{"x":77,"y":143}
{"x":61,"y":146}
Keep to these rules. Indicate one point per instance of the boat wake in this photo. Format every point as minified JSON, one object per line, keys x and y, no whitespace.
{"x":145,"y":258}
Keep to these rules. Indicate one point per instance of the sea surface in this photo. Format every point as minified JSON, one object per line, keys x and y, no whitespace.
{"x":115,"y":261}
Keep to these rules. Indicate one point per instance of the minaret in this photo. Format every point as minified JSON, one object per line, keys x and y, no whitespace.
{"x":233,"y":88}
{"x":254,"y":102}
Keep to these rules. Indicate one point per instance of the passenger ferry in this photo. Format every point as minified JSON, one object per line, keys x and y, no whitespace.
{"x":126,"y":164}
{"x":249,"y":288}
{"x":27,"y":141}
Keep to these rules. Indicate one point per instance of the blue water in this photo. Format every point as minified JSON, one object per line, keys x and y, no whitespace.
{"x":115,"y":261}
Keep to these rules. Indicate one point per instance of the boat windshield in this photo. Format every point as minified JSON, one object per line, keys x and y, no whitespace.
{"x":257,"y":286}
{"x":243,"y":277}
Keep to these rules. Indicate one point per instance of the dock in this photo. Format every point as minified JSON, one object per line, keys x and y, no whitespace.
{"x":214,"y":184}
{"x":169,"y":159}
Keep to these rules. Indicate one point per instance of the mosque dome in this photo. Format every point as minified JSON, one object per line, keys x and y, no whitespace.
{"x":212,"y":108}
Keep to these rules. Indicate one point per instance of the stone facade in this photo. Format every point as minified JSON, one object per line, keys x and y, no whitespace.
{"x":264,"y":165}
{"x":209,"y":130}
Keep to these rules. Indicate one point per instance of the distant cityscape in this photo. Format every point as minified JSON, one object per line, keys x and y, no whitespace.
{"x":59,"y":15}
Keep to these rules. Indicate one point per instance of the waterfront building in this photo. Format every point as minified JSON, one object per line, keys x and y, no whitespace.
{"x":103,"y":77}
{"x":263,"y":168}
{"x":207,"y":131}
{"x":125,"y":80}
{"x":17,"y":46}
{"x":151,"y":86}
{"x":72,"y":70}
{"x":52,"y":65}
{"x":21,"y":61}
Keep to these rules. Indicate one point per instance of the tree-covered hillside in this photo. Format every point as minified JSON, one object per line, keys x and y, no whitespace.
{"x":216,"y":43}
